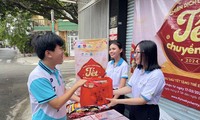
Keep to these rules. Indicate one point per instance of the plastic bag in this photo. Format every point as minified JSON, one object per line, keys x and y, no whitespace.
{"x":95,"y":91}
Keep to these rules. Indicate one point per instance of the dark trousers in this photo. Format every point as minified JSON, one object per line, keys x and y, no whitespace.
{"x":144,"y":112}
{"x":120,"y":107}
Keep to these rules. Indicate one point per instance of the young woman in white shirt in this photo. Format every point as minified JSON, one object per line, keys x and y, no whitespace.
{"x":146,"y":84}
{"x":117,"y":70}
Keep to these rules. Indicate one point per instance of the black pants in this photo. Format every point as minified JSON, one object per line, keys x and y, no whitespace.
{"x":120,"y":107}
{"x":144,"y":112}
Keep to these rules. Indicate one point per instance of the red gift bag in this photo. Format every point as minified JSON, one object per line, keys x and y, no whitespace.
{"x":95,"y":91}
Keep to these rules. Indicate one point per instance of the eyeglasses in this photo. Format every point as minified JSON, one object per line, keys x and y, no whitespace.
{"x":135,"y":53}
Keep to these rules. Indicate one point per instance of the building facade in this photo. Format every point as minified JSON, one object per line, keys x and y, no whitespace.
{"x":66,"y":30}
{"x":113,"y":19}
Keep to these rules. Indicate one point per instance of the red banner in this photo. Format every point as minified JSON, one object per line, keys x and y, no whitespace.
{"x":176,"y":31}
{"x":183,"y":90}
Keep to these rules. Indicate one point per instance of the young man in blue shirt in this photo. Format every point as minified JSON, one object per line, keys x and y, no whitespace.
{"x":46,"y":87}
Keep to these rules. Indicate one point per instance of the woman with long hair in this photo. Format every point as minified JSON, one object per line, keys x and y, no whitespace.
{"x":146,"y":84}
{"x":117,"y":70}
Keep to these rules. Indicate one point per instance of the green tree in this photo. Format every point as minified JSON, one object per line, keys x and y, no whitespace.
{"x":62,"y":10}
{"x":2,"y":30}
{"x":17,"y":29}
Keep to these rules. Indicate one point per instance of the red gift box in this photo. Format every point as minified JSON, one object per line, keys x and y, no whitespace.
{"x":95,"y":91}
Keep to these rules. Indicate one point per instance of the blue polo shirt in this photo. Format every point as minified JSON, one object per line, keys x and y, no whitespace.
{"x":116,"y":72}
{"x":45,"y":84}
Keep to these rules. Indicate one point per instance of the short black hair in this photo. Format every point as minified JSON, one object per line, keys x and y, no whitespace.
{"x":148,"y":51}
{"x":47,"y":41}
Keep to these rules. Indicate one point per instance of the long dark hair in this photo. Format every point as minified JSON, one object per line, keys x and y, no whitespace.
{"x":148,"y":55}
{"x":122,"y":54}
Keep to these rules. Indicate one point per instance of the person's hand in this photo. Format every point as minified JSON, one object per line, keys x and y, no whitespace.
{"x":113,"y":102}
{"x":80,"y":82}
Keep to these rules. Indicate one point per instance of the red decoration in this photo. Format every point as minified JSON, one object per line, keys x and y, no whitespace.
{"x":180,"y":36}
{"x":91,"y":69}
{"x":95,"y":91}
{"x":132,"y":59}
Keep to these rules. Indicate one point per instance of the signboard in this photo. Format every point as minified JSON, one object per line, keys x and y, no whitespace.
{"x":113,"y":34}
{"x":176,"y":31}
{"x":91,"y":58}
{"x":113,"y":28}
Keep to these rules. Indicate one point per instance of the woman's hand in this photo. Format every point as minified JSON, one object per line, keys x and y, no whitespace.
{"x":113,"y":102}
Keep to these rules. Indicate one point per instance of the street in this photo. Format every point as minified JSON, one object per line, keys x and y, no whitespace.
{"x":14,"y":97}
{"x":13,"y":79}
{"x":13,"y":88}
{"x":7,"y":54}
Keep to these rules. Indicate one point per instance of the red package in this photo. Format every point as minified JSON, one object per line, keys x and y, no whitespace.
{"x":95,"y":91}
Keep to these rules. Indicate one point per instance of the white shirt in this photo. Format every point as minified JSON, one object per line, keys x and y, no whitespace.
{"x":117,"y":72}
{"x":148,"y":85}
{"x":45,"y":84}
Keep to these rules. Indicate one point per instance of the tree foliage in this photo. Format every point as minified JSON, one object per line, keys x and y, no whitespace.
{"x":15,"y":18}
{"x":16,"y":30}
{"x":62,"y":10}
